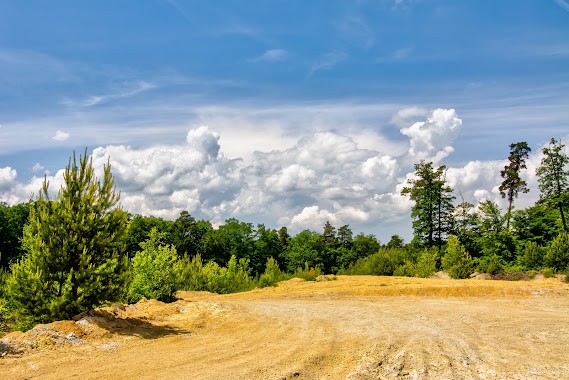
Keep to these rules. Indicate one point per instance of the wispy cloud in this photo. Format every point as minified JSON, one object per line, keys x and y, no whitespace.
{"x":563,"y":4}
{"x":356,"y":31}
{"x":271,"y":55}
{"x":61,"y":136}
{"x":128,"y":92}
{"x":396,"y":56}
{"x":180,"y":9}
{"x":327,"y":61}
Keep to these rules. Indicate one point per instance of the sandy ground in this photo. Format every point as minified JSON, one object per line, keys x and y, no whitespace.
{"x":350,"y":328}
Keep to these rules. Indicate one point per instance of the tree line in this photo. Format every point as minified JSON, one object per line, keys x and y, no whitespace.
{"x":495,"y":240}
{"x":62,"y":256}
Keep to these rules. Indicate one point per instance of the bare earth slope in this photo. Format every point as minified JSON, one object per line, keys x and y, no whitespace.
{"x":349,"y":328}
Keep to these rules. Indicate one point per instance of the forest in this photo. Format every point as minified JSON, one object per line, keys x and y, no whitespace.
{"x":64,"y":255}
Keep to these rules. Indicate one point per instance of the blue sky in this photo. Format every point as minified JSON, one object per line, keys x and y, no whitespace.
{"x":245,"y":90}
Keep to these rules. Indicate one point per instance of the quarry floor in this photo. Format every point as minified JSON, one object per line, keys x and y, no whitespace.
{"x":347,"y":327}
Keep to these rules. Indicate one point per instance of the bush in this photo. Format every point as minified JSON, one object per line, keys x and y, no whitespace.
{"x":427,"y":264}
{"x":406,"y":270}
{"x":531,"y":274}
{"x":272,"y":274}
{"x":5,"y":315}
{"x":532,"y":256}
{"x":308,"y":273}
{"x":557,"y":254}
{"x":193,"y":275}
{"x":493,"y":264}
{"x":382,"y":263}
{"x":456,"y":261}
{"x":152,"y":273}
{"x":548,"y":272}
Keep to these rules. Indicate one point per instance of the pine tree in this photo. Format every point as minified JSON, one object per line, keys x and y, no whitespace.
{"x":557,"y":252}
{"x":456,"y":261}
{"x":513,"y":184}
{"x":74,"y":259}
{"x":433,"y":204}
{"x":553,"y":179}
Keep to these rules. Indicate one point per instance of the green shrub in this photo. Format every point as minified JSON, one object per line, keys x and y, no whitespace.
{"x":382,"y":263}
{"x":557,"y":253}
{"x":531,"y":274}
{"x":532,"y":256}
{"x":548,"y":272}
{"x":408,"y":269}
{"x":152,"y":270}
{"x":272,"y":274}
{"x":456,"y":261}
{"x":5,"y":315}
{"x":193,"y":275}
{"x":493,"y":264}
{"x":308,"y":273}
{"x":427,"y":264}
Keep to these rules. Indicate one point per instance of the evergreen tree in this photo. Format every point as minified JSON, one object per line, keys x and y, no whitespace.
{"x":329,"y":235}
{"x":433,"y":204}
{"x":74,"y":257}
{"x":396,"y":241}
{"x":345,"y":236}
{"x":557,"y":253}
{"x":513,"y":184}
{"x":284,"y":237}
{"x":553,"y":178}
{"x":456,"y":261}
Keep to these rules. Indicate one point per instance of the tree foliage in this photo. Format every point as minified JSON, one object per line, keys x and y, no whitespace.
{"x":152,"y":270}
{"x":432,"y":212}
{"x":557,"y":253}
{"x":513,"y":183}
{"x":74,"y":256}
{"x":553,"y":177}
{"x":456,"y":261}
{"x":12,"y":222}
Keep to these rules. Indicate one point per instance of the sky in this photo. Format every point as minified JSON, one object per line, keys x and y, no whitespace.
{"x":288,"y":113}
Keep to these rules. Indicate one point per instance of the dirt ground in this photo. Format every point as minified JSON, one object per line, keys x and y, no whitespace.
{"x":356,"y":327}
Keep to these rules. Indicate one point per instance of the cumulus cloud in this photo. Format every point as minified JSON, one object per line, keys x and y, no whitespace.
{"x":7,"y":177}
{"x":166,"y":179}
{"x":431,"y":139}
{"x":61,"y":136}
{"x":323,"y":176}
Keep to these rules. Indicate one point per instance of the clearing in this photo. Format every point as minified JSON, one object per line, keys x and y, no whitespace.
{"x":353,"y":327}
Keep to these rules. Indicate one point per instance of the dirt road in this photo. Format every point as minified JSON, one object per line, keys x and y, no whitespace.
{"x":349,"y":328}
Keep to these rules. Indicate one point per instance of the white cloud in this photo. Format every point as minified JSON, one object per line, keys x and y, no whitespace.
{"x":271,"y":55}
{"x":7,"y":177}
{"x":355,"y":30}
{"x":322,"y":176}
{"x":313,"y":217}
{"x":61,"y":136}
{"x":37,"y":167}
{"x":327,"y":61}
{"x":431,"y":139}
{"x":125,"y":90}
